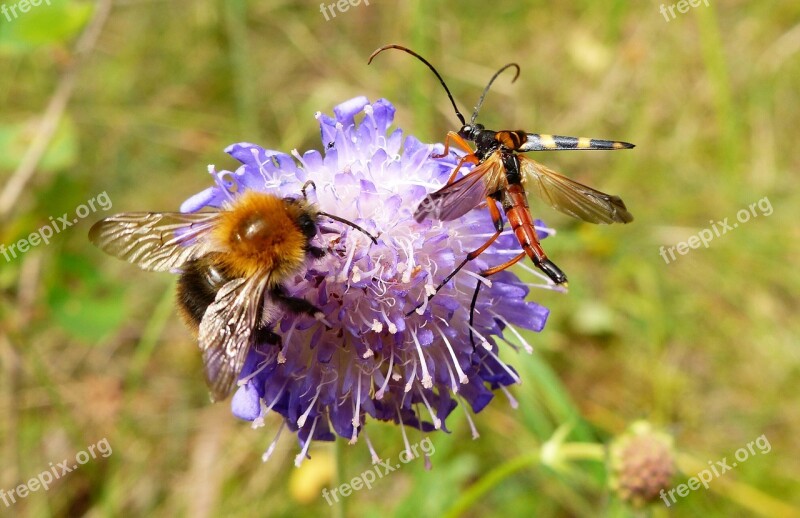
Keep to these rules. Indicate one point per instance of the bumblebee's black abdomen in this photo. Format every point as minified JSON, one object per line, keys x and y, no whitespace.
{"x":197,"y":288}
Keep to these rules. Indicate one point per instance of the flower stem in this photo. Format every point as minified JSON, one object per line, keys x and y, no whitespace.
{"x":490,"y":480}
{"x":338,"y":456}
{"x":565,"y":452}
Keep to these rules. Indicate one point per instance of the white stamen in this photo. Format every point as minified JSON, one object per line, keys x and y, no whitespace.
{"x":376,"y":326}
{"x":547,"y":230}
{"x":389,"y":323}
{"x":486,"y":282}
{"x":382,"y":390}
{"x":302,"y":419}
{"x":268,"y":453}
{"x":298,"y":460}
{"x":472,"y":426}
{"x":427,"y":381}
{"x":453,"y":384}
{"x":537,"y":273}
{"x":375,"y":458}
{"x":342,"y":277}
{"x":484,"y":342}
{"x":461,"y":376}
{"x":403,"y":431}
{"x":356,"y":414}
{"x":437,"y":423}
{"x":258,"y":422}
{"x":525,"y":344}
{"x":511,"y":400}
{"x":504,"y":367}
{"x":411,"y":378}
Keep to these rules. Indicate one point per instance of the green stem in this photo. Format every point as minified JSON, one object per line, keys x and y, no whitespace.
{"x":568,"y":451}
{"x":490,"y":480}
{"x":338,"y":455}
{"x":582,"y":451}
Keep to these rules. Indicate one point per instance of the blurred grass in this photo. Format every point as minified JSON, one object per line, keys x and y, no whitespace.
{"x":705,"y":346}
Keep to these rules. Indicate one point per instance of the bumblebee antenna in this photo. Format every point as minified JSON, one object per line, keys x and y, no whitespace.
{"x":486,"y":90}
{"x":409,"y":51}
{"x":349,"y":224}
{"x":310,"y":183}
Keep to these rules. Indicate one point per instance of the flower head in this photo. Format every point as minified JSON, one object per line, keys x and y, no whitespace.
{"x":368,"y":358}
{"x":642,"y":464}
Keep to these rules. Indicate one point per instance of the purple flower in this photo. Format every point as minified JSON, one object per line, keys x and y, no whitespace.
{"x":368,"y":359}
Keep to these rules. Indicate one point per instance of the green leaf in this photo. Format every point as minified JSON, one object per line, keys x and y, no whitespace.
{"x":83,"y":305}
{"x":52,"y":22}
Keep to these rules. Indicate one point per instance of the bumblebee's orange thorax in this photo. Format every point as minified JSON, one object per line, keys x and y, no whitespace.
{"x":260,"y":232}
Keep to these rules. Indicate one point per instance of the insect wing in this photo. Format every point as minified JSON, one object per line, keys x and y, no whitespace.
{"x":570,"y":197}
{"x":226,"y":331}
{"x":156,"y":241}
{"x":456,"y":199}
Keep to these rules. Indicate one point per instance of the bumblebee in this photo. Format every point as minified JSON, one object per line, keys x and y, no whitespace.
{"x":233,"y":264}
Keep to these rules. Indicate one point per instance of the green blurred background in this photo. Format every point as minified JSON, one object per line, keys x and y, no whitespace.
{"x":704,"y":348}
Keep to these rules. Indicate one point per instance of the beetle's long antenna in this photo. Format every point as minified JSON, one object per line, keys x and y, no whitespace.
{"x":409,"y":51}
{"x":486,"y":90}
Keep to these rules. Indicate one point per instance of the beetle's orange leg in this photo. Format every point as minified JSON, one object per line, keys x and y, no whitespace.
{"x":497,"y":219}
{"x":455,"y":137}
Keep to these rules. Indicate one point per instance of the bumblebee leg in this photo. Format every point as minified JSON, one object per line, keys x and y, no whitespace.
{"x":266,"y":335}
{"x":315,"y":251}
{"x":497,"y":219}
{"x":295,"y":304}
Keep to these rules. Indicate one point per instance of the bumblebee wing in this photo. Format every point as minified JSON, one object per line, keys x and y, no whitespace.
{"x":226,"y":331}
{"x":456,"y":199}
{"x":570,"y":197}
{"x":157,"y":241}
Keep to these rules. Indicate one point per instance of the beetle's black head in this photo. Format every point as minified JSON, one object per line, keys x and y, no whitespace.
{"x":470,"y":131}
